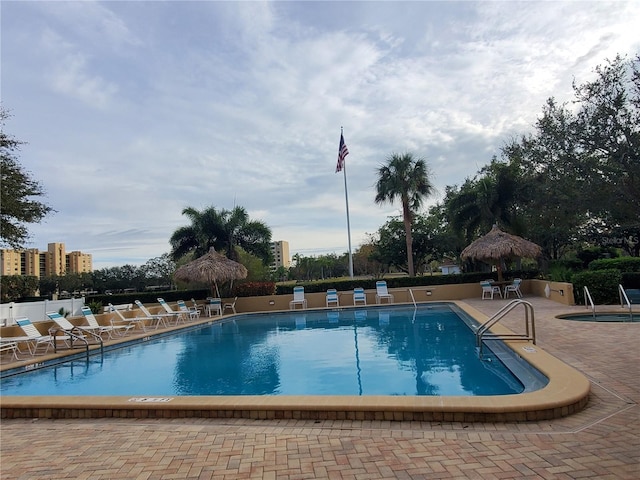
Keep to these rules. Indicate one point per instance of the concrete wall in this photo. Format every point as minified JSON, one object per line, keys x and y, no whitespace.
{"x":402,"y":295}
{"x":558,"y":291}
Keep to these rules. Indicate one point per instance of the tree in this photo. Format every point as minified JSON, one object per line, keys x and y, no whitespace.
{"x":223,"y":230}
{"x":391,"y":248}
{"x":608,"y":132}
{"x":485,"y":200}
{"x":18,"y":206}
{"x":404,"y":178}
{"x":159,"y":270}
{"x":15,"y":287}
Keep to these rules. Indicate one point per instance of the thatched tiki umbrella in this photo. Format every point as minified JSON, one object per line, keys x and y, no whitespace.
{"x":497,"y":245}
{"x":211,"y":268}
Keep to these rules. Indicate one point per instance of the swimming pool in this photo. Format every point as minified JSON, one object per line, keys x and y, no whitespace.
{"x":566,"y":392}
{"x":602,"y":317}
{"x":429,"y":350}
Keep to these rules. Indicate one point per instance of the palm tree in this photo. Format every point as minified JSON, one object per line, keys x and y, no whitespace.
{"x":224,"y":230}
{"x":405,"y":178}
{"x":484,"y":201}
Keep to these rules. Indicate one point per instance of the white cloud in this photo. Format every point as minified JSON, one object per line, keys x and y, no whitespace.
{"x":134,"y":110}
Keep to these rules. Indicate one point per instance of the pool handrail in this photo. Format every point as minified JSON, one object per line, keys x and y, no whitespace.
{"x":624,"y":298}
{"x":587,"y":298}
{"x":530,"y":325}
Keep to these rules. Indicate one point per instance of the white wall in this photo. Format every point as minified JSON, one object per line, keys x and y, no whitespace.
{"x":37,"y":311}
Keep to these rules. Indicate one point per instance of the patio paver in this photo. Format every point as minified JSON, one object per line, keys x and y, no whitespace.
{"x":602,"y":441}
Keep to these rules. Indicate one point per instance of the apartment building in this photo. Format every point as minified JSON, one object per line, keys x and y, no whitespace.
{"x":55,"y":261}
{"x":280,"y":252}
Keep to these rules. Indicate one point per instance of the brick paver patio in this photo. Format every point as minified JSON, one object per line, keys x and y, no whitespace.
{"x":600,"y":442}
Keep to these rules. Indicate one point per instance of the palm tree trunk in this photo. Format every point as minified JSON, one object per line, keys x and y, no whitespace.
{"x":406,"y":216}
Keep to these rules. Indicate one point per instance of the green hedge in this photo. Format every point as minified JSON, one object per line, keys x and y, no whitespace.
{"x":602,"y":285}
{"x":624,"y":264}
{"x":148,"y":297}
{"x":255,"y":289}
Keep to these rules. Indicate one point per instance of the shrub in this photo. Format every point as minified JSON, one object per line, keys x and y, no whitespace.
{"x":602,"y":285}
{"x":96,"y":307}
{"x":255,"y":289}
{"x":624,"y":264}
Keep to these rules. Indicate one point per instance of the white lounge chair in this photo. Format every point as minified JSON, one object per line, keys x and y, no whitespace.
{"x":230,"y":305}
{"x":298,"y":298}
{"x":9,"y":345}
{"x":192,"y":313}
{"x":198,"y":306}
{"x":177,"y":315}
{"x":332,"y":298}
{"x":121,"y":319}
{"x":382,"y":293}
{"x":213,"y":305}
{"x":359,"y":296}
{"x":514,"y":287}
{"x":158,"y":318}
{"x":34,"y":339}
{"x":94,"y":326}
{"x":488,"y":290}
{"x":73,"y":331}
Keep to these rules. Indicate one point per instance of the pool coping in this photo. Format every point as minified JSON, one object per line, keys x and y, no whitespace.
{"x":567,"y":392}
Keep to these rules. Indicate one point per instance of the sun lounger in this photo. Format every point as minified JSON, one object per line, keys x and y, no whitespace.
{"x":192,"y":313}
{"x":73,"y":331}
{"x":359,"y":296}
{"x":213,"y":305}
{"x":231,"y":305}
{"x":171,"y":313}
{"x":95,"y":327}
{"x":298,"y":298}
{"x":332,"y":298}
{"x":120,"y":319}
{"x":9,"y":345}
{"x":382,"y":293}
{"x":34,"y":339}
{"x":158,"y":318}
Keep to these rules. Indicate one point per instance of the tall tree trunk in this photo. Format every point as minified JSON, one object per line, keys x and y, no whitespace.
{"x":406,"y":216}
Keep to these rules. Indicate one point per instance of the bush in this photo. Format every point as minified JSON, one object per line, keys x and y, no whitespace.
{"x":255,"y":289}
{"x":602,"y":285}
{"x":96,"y":307}
{"x":624,"y":264}
{"x":148,"y":297}
{"x":560,"y":273}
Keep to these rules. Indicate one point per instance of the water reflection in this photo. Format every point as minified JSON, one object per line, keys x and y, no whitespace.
{"x":350,"y":352}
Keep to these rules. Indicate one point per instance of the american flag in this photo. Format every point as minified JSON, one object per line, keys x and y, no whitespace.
{"x":343,"y":151}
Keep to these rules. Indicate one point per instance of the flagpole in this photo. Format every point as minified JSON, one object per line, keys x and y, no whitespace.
{"x":346,"y":199}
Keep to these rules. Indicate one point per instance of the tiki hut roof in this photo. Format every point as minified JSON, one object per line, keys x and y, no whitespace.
{"x":211,"y":268}
{"x":498,"y":244}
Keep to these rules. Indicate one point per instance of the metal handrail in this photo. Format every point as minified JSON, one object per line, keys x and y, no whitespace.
{"x":413,"y":298}
{"x":530,"y":325}
{"x":81,"y":337}
{"x":623,"y":296}
{"x":587,"y":296}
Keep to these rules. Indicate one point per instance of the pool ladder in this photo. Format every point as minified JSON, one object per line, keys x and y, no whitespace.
{"x":483,"y":332}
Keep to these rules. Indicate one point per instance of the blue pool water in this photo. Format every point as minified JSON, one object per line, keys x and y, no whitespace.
{"x":376,"y":351}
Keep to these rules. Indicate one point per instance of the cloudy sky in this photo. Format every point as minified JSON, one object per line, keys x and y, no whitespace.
{"x":134,"y":110}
